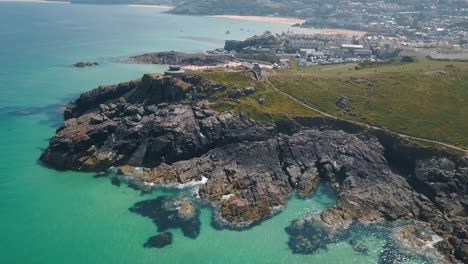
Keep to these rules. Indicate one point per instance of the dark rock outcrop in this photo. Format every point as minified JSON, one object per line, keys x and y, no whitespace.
{"x":159,"y":241}
{"x":178,"y":58}
{"x":137,"y":126}
{"x":250,"y":180}
{"x":250,"y":169}
{"x":342,"y":102}
{"x":82,"y":64}
{"x":171,"y":212}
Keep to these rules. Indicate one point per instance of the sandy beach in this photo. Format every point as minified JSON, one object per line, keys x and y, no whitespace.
{"x":275,"y":20}
{"x":293,"y":21}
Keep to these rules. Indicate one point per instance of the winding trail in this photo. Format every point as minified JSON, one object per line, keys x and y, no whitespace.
{"x":364,"y":124}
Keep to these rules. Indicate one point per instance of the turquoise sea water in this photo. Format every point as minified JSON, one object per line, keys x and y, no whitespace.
{"x":48,"y":216}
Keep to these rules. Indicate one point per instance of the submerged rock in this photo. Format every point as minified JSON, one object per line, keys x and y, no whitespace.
{"x":309,"y":235}
{"x":82,"y":64}
{"x":116,"y":181}
{"x":359,"y":246}
{"x":159,"y":241}
{"x":171,"y":212}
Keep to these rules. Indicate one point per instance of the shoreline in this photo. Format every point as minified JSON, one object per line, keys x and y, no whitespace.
{"x":293,"y":21}
{"x":274,"y":20}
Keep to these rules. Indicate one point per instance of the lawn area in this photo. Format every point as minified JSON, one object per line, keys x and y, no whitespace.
{"x":276,"y":106}
{"x":427,"y":98}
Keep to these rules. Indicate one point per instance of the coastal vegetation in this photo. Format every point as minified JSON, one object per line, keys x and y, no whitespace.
{"x":241,"y":7}
{"x":259,"y":57}
{"x":426,"y":98}
{"x":276,"y":106}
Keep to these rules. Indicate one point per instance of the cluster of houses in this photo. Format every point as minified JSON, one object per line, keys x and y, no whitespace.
{"x":306,"y":48}
{"x":329,"y":49}
{"x":332,"y":55}
{"x":435,"y":25}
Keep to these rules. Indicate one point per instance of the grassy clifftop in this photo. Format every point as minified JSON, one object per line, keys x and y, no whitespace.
{"x":239,"y":7}
{"x":274,"y":108}
{"x":427,"y":98}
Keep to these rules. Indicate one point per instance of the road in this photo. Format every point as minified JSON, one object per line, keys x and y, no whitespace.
{"x":364,"y":124}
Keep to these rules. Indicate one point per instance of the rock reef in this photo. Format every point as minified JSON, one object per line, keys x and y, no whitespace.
{"x":82,"y":64}
{"x":162,"y":125}
{"x":167,"y":213}
{"x":178,"y":58}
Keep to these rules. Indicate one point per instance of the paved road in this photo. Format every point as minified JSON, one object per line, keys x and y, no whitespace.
{"x":364,"y":124}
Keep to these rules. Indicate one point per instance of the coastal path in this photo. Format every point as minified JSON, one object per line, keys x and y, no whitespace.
{"x":364,"y":124}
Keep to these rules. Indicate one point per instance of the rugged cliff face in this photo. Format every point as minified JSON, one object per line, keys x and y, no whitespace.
{"x":250,"y":168}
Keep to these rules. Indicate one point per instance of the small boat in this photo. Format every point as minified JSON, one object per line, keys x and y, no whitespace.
{"x":228,"y":32}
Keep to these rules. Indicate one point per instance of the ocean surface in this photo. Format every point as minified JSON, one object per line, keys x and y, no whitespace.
{"x":47,"y":216}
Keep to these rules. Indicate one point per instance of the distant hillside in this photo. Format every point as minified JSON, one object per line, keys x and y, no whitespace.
{"x":298,"y":8}
{"x":239,"y":7}
{"x":302,"y":8}
{"x":127,"y":2}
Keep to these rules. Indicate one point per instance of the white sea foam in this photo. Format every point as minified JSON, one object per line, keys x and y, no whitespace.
{"x":227,"y":196}
{"x":192,"y":183}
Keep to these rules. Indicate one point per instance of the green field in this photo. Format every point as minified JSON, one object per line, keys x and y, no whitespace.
{"x":276,"y":106}
{"x":427,"y":98}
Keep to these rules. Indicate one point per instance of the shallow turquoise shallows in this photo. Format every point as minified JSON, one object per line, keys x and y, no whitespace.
{"x":51,"y":217}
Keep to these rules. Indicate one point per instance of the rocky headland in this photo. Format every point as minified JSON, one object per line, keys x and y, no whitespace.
{"x":163,"y":126}
{"x":179,"y":58}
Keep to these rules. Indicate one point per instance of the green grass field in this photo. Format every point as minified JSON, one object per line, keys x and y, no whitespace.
{"x":276,"y":106}
{"x":427,"y":98}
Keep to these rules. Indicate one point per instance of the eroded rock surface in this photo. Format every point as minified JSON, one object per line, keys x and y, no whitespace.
{"x":132,"y":124}
{"x":250,"y":180}
{"x":159,"y":124}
